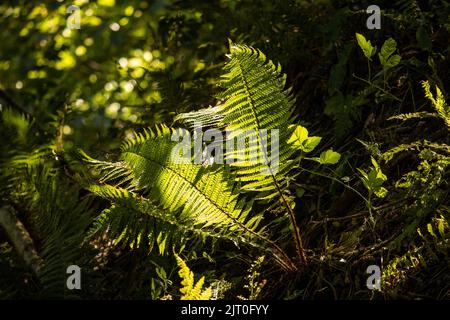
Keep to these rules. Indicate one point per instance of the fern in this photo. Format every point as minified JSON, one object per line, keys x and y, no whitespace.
{"x":47,"y":202}
{"x":127,"y":220}
{"x":60,"y":219}
{"x":414,"y":115}
{"x":188,"y":199}
{"x":439,"y":105}
{"x":202,"y":194}
{"x":425,"y":185}
{"x":254,"y":102}
{"x":438,"y":101}
{"x":190,"y":289}
{"x":57,"y":219}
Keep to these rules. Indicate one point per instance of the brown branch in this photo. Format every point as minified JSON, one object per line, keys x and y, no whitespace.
{"x":20,"y":238}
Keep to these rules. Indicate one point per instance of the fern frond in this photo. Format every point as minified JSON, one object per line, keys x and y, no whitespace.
{"x":257,"y":111}
{"x":133,"y":218}
{"x":256,"y":102}
{"x":19,"y":122}
{"x":190,"y":289}
{"x":207,"y":117}
{"x":115,"y":173}
{"x":414,"y":115}
{"x":438,"y":101}
{"x":205,"y":195}
{"x":59,"y":219}
{"x":415,"y":146}
{"x":196,"y":200}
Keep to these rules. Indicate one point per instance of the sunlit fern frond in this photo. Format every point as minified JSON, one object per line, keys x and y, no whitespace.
{"x":438,"y":101}
{"x":205,"y":194}
{"x":256,"y":102}
{"x":257,"y":113}
{"x":414,"y":115}
{"x":191,"y":290}
{"x":191,"y":198}
{"x":207,"y":117}
{"x":255,"y":106}
{"x":133,"y":219}
{"x":439,"y":105}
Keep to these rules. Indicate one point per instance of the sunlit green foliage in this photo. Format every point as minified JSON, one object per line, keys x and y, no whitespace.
{"x":364,"y":131}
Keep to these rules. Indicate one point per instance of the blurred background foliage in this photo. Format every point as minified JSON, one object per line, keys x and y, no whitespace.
{"x":134,"y":64}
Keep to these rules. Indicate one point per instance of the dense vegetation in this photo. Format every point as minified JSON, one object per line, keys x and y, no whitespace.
{"x":87,"y":123}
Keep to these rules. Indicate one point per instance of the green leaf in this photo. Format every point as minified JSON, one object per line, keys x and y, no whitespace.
{"x":302,"y":141}
{"x":311,"y":143}
{"x":388,"y":48}
{"x":329,"y":157}
{"x":387,"y":57}
{"x":441,"y":226}
{"x":430,"y":230}
{"x":381,"y":192}
{"x":365,"y":46}
{"x":374,"y":179}
{"x":299,"y":135}
{"x":393,"y":61}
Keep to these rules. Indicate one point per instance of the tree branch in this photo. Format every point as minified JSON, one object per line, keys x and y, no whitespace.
{"x":20,"y":238}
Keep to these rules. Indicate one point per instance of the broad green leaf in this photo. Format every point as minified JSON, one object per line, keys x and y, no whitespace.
{"x":329,"y":157}
{"x":365,"y":46}
{"x":387,"y":57}
{"x":311,"y":143}
{"x":299,"y":135}
{"x":393,"y":61}
{"x":388,"y":48}
{"x":302,"y":141}
{"x":373,"y":180}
